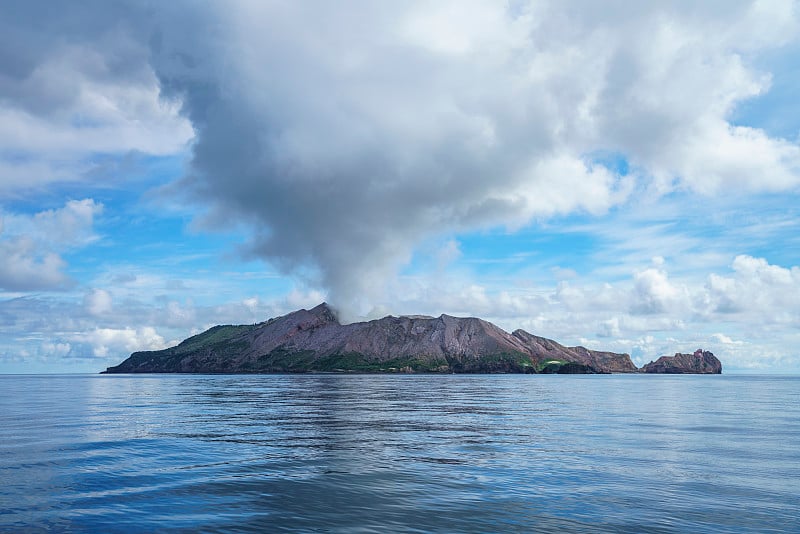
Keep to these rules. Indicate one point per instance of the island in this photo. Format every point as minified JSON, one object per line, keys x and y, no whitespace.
{"x":315,"y":341}
{"x":701,"y":362}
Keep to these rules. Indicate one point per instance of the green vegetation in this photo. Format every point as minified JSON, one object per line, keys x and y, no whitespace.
{"x":213,"y":347}
{"x":216,"y":340}
{"x":550,"y":366}
{"x":501,"y":362}
{"x":283,"y":361}
{"x":286,"y":361}
{"x":513,"y":358}
{"x":213,"y":337}
{"x":356,"y":362}
{"x":562,"y":367}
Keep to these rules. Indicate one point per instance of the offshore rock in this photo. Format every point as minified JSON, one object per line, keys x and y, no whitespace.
{"x":701,"y":362}
{"x":314,"y":341}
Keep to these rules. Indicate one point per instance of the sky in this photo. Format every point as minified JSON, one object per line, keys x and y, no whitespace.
{"x":619,"y":175}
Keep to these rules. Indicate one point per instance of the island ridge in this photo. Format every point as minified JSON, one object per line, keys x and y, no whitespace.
{"x":315,"y":341}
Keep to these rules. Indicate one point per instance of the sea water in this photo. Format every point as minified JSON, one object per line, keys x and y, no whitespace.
{"x":400,"y":453}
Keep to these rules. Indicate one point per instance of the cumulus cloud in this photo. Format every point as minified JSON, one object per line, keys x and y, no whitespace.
{"x":755,"y":287}
{"x":120,"y":342}
{"x":62,"y":228}
{"x":654,"y":293}
{"x":24,"y":268}
{"x":74,"y":82}
{"x":30,"y":245}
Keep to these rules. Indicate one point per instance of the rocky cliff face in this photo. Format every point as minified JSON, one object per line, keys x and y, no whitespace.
{"x":314,"y":340}
{"x":701,"y":362}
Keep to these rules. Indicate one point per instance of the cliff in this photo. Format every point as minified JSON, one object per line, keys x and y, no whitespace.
{"x":701,"y":362}
{"x":314,"y":341}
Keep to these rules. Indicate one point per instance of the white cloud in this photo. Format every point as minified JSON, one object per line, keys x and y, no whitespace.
{"x":104,"y":119}
{"x":56,"y":350}
{"x":565,"y":184}
{"x":763,"y":292}
{"x":98,"y":302}
{"x":654,"y":293}
{"x":449,"y":252}
{"x":61,"y":228}
{"x":735,"y":156}
{"x":72,"y":96}
{"x":725,"y":340}
{"x":65,"y":227}
{"x":30,"y":245}
{"x":25,"y":268}
{"x":251,"y":303}
{"x":120,"y":342}
{"x":609,"y":328}
{"x":178,"y":315}
{"x":563,"y":273}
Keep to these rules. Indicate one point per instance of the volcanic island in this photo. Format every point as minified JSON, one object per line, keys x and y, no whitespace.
{"x":307,"y":341}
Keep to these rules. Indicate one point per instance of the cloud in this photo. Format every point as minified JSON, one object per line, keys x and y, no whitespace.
{"x":762,"y":292}
{"x":654,"y":293}
{"x":344,"y":141}
{"x":98,"y":302}
{"x":120,"y":342}
{"x":75,"y":82}
{"x":180,"y":316}
{"x":725,"y":340}
{"x":58,"y":350}
{"x":24,"y":268}
{"x":62,"y":228}
{"x":449,"y":252}
{"x":30,"y":245}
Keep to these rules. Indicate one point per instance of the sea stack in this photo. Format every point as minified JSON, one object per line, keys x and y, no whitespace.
{"x":700,"y":362}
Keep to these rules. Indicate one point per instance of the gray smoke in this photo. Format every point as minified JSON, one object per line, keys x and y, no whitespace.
{"x":345,"y":137}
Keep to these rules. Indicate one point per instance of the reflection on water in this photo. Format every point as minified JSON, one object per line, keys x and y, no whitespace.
{"x":376,"y":453}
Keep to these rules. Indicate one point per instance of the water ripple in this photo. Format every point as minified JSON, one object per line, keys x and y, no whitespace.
{"x":361,"y":453}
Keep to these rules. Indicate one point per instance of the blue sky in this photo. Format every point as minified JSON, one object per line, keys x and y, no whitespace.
{"x":622,"y":178}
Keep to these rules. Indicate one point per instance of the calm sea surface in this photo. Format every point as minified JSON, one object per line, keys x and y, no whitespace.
{"x":377,"y":453}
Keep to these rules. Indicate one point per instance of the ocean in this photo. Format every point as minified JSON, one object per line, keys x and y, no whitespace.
{"x":399,"y":453}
